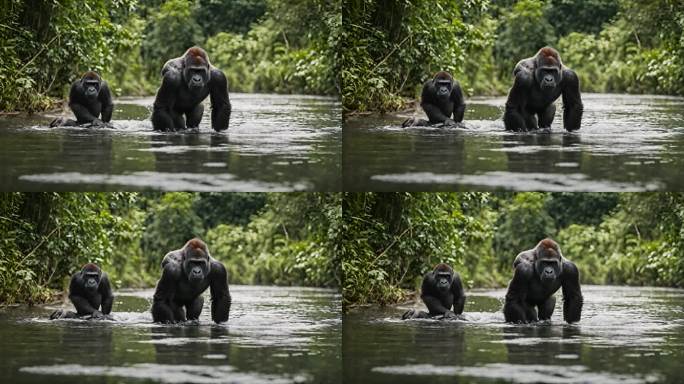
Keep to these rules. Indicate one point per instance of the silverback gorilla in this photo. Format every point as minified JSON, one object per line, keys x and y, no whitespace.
{"x":186,"y":82}
{"x":186,"y":274}
{"x":539,"y":81}
{"x":441,"y":98}
{"x":539,"y":272}
{"x":88,"y":291}
{"x":89,"y":97}
{"x":441,"y":290}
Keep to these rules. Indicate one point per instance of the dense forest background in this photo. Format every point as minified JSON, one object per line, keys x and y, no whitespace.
{"x":282,"y":46}
{"x":392,"y":239}
{"x":392,"y":46}
{"x":280,"y":238}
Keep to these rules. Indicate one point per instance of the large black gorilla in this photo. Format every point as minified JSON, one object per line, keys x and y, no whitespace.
{"x":88,"y":99}
{"x":441,"y":289}
{"x":441,"y":98}
{"x":186,"y":274}
{"x":186,"y":82}
{"x":88,"y":291}
{"x":539,"y":273}
{"x":539,"y":81}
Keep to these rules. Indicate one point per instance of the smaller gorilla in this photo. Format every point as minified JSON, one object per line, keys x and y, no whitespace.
{"x":89,"y":97}
{"x":441,"y":290}
{"x":539,"y":273}
{"x":186,"y":274}
{"x":539,"y":81}
{"x":186,"y":82}
{"x":89,"y":289}
{"x":441,"y":98}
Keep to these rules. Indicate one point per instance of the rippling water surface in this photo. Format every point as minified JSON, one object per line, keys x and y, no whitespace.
{"x":274,"y":335}
{"x":627,"y":335}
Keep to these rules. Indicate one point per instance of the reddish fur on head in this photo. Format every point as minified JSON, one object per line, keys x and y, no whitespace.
{"x":442,"y":267}
{"x":196,"y":248}
{"x":548,"y":56}
{"x":196,"y":56}
{"x":443,"y":75}
{"x":549,"y":247}
{"x":90,"y":267}
{"x":90,"y":75}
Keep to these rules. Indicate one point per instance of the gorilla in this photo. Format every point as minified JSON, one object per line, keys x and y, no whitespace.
{"x":441,"y":290}
{"x":89,"y":97}
{"x":186,"y":274}
{"x":539,"y":272}
{"x":186,"y":82}
{"x":441,"y":98}
{"x":88,"y":291}
{"x":539,"y":81}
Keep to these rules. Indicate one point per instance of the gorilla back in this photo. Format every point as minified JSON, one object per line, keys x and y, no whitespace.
{"x":186,"y":82}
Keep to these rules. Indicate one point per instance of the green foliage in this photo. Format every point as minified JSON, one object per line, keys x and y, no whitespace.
{"x":580,"y":208}
{"x":391,"y":47}
{"x":392,"y":239}
{"x":585,"y":16}
{"x":522,"y":224}
{"x":234,"y":16}
{"x":523,"y":31}
{"x":171,"y":30}
{"x":169,"y":224}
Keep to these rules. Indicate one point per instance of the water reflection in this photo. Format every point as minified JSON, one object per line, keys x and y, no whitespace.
{"x":627,"y":143}
{"x":274,"y":143}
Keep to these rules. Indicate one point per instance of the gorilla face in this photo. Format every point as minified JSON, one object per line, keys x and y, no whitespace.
{"x":548,"y":77}
{"x":443,"y":281}
{"x":443,"y":88}
{"x":548,"y":269}
{"x":92,"y":88}
{"x":197,"y":77}
{"x":92,"y":280}
{"x":196,"y":268}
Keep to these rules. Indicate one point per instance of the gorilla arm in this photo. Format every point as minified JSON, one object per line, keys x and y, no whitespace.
{"x":459,"y":294}
{"x":220,"y":103}
{"x":166,"y":288}
{"x":517,"y":99}
{"x":572,"y":101}
{"x":515,"y":307}
{"x":459,"y":104}
{"x":105,"y":97}
{"x":220,"y":296}
{"x":107,"y":296}
{"x":572,"y":293}
{"x":165,"y":100}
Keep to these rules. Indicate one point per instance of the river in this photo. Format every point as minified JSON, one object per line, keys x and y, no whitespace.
{"x":274,"y":143}
{"x":626,"y":143}
{"x":626,"y":335}
{"x":275,"y":335}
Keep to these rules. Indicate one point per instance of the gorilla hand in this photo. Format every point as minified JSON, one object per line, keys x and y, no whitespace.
{"x":450,"y":315}
{"x":450,"y":123}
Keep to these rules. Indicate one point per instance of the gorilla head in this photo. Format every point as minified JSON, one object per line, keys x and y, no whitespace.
{"x":443,"y":83}
{"x":91,"y":276}
{"x":547,"y":70}
{"x":196,"y":260}
{"x":91,"y":84}
{"x":547,"y":260}
{"x":444,"y":274}
{"x":196,"y":68}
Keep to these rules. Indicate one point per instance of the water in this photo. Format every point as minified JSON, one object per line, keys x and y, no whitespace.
{"x":274,"y":143}
{"x":626,"y":335}
{"x":626,"y":143}
{"x":275,"y":335}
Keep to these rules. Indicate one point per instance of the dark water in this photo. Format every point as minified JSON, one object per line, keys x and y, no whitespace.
{"x":626,"y":143}
{"x":627,"y":335}
{"x":274,"y":335}
{"x":274,"y":143}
